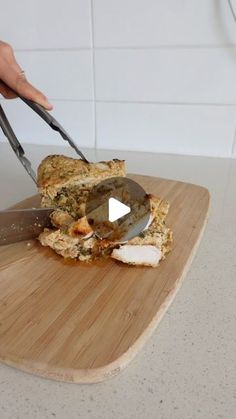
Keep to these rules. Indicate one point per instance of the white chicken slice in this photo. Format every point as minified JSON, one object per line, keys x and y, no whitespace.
{"x":147,"y":255}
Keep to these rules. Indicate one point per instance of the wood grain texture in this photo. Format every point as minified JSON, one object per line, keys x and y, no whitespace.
{"x":77,"y":322}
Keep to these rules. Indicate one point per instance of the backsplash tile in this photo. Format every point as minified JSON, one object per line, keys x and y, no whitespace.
{"x":125,"y":23}
{"x":76,"y":117}
{"x":186,"y":75}
{"x":43,"y":24}
{"x":160,"y":74}
{"x":197,"y":130}
{"x":65,"y":75}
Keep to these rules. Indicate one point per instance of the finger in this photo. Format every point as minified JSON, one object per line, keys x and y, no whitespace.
{"x":25,"y":89}
{"x":16,"y":80}
{"x":6,"y":92}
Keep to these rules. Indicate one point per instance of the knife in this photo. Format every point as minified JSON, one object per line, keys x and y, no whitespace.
{"x":23,"y":224}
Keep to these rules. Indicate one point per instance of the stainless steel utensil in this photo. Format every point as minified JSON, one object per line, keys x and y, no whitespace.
{"x":17,"y":147}
{"x":23,"y":224}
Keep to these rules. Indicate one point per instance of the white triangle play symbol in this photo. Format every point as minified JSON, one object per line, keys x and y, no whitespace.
{"x":116,"y":209}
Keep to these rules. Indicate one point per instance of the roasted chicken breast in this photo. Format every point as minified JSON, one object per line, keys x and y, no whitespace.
{"x":64,"y":183}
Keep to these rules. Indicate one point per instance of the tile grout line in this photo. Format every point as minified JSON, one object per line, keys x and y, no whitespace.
{"x":94,"y":75}
{"x":125,"y":47}
{"x":165,"y":103}
{"x":139,"y":102}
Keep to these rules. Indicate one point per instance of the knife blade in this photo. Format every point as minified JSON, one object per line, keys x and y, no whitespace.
{"x":23,"y":224}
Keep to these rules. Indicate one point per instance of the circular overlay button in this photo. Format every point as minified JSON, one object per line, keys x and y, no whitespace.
{"x":118,"y":209}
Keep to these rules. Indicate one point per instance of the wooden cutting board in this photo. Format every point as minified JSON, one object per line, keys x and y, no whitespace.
{"x":74,"y":322}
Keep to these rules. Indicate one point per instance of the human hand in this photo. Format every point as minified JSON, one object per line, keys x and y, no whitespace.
{"x":13,"y":80}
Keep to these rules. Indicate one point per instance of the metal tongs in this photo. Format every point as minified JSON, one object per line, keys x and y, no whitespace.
{"x":17,"y":147}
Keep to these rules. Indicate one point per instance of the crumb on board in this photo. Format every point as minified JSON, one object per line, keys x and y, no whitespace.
{"x":37,"y":225}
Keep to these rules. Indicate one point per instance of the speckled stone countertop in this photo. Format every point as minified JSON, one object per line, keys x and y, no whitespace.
{"x":187,"y":369}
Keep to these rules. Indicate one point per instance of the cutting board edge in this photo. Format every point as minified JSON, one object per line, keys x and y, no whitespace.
{"x":100,"y":374}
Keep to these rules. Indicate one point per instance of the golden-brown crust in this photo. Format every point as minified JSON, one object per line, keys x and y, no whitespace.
{"x":61,"y":243}
{"x":58,"y":170}
{"x":156,"y":235}
{"x":159,"y":207}
{"x":68,"y":246}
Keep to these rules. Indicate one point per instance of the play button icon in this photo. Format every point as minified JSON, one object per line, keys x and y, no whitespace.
{"x":117,"y":209}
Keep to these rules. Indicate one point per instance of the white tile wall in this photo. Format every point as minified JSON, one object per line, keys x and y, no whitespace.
{"x":46,"y":24}
{"x":154,"y":75}
{"x":171,"y":129}
{"x":122,"y":23}
{"x":76,"y":117}
{"x":65,"y":75}
{"x":188,"y":75}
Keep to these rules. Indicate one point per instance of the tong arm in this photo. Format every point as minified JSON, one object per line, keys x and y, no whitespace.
{"x":54,"y":124}
{"x":15,"y":144}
